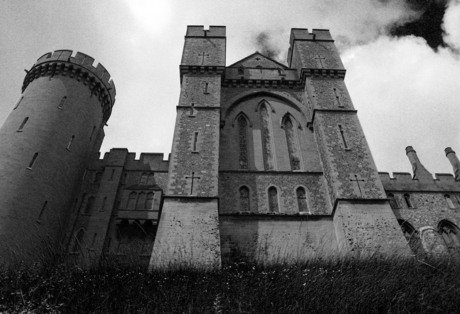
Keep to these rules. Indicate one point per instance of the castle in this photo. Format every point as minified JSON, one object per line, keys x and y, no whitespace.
{"x":269,"y":163}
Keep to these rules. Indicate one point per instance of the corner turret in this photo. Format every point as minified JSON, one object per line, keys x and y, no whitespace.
{"x":46,"y":143}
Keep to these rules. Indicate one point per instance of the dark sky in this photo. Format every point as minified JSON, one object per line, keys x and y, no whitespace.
{"x":427,"y":26}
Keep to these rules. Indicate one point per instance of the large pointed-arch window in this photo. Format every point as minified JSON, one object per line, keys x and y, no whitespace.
{"x":302,"y":200}
{"x":265,"y":125}
{"x":451,"y":235}
{"x":244,"y":199}
{"x":292,"y":143}
{"x":273,"y":206}
{"x":243,"y":141}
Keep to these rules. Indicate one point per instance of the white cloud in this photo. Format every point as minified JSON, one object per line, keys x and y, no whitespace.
{"x":406,"y":94}
{"x":452,"y":24}
{"x":154,"y":15}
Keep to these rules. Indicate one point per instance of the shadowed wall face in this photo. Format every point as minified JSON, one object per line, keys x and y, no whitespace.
{"x":45,"y":145}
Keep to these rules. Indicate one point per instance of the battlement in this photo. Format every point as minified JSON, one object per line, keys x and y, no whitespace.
{"x":121,"y":157}
{"x":305,"y":35}
{"x":404,"y":182}
{"x":199,"y":31}
{"x":82,"y":60}
{"x":80,"y":66}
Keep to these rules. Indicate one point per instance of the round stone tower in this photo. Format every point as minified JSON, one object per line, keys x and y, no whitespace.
{"x":52,"y":132}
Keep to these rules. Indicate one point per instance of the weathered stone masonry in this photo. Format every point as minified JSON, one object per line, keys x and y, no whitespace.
{"x":269,"y":164}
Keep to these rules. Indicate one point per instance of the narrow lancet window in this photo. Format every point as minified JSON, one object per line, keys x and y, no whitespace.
{"x":337,"y":98}
{"x":266,"y":137}
{"x":149,"y":201}
{"x":302,"y":200}
{"x":132,"y":200}
{"x":92,"y":133}
{"x":291,"y":139}
{"x":342,"y":134}
{"x":195,"y":141}
{"x":408,"y":201}
{"x":243,"y":137}
{"x":23,"y":124}
{"x":32,"y":162}
{"x":244,"y":199}
{"x":18,"y":103}
{"x":62,"y":102}
{"x":393,"y":201}
{"x":449,"y":201}
{"x":42,"y":210}
{"x":70,"y":142}
{"x":273,"y":206}
{"x":140,"y":201}
{"x":89,"y":206}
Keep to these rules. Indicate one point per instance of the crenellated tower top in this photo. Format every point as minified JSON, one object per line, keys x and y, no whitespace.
{"x":80,"y":66}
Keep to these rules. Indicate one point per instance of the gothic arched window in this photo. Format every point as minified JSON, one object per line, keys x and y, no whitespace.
{"x":266,"y":137}
{"x":393,"y":201}
{"x":291,"y":139}
{"x":412,"y":236}
{"x":149,"y":201}
{"x":244,"y":199}
{"x":89,"y":205}
{"x":302,"y":199}
{"x":132,"y":200}
{"x":273,"y":206}
{"x":243,"y":141}
{"x":451,"y":235}
{"x":141,"y":201}
{"x":78,"y":241}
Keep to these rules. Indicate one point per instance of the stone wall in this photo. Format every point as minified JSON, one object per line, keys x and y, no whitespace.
{"x":271,"y":239}
{"x":286,"y":183}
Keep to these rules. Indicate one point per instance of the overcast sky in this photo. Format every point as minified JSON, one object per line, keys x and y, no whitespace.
{"x":406,"y":90}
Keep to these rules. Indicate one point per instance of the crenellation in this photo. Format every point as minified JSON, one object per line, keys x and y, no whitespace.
{"x":444,"y":177}
{"x":199,"y":31}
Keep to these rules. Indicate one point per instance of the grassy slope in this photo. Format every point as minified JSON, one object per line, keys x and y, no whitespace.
{"x":345,"y":286}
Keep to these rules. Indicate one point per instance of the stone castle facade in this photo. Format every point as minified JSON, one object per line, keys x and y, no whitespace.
{"x":269,"y":163}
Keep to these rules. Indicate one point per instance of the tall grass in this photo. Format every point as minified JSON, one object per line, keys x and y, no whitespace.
{"x":371,"y":286}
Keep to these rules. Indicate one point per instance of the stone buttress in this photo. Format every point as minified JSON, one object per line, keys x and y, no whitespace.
{"x":188,"y":231}
{"x":363,"y":220}
{"x":46,"y":142}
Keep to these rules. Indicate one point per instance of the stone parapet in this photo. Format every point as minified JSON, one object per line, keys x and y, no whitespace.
{"x":80,"y":66}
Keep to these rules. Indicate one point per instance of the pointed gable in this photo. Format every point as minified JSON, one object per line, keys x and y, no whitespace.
{"x":258,"y":60}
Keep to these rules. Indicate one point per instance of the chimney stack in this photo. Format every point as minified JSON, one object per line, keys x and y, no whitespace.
{"x":419,"y":170}
{"x":450,"y":154}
